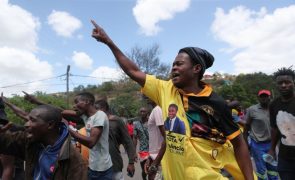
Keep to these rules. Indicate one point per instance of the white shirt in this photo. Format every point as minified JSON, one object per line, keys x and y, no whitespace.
{"x":155,"y":136}
{"x":99,"y":157}
{"x":172,"y":123}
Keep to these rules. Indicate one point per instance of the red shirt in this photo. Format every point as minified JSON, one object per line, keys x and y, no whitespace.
{"x":130,"y":129}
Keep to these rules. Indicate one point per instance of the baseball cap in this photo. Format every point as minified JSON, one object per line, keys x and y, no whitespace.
{"x":264,"y":91}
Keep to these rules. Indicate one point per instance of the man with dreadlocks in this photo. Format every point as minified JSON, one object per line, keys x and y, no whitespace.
{"x":282,"y":118}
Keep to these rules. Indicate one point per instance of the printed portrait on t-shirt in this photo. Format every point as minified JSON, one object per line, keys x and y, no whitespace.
{"x":172,"y":122}
{"x":286,"y":125}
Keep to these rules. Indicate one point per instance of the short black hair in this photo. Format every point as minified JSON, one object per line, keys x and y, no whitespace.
{"x":87,"y":96}
{"x":284,"y":72}
{"x":102,"y":104}
{"x":174,"y":106}
{"x":49,"y":113}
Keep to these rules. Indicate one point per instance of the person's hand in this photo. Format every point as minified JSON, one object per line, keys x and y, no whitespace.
{"x":147,"y":165}
{"x":30,"y":98}
{"x":135,"y":158}
{"x":152,"y":171}
{"x":99,"y":34}
{"x":131,"y":169}
{"x":5,"y":127}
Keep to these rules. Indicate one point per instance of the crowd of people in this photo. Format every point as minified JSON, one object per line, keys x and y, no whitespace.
{"x":185,"y":131}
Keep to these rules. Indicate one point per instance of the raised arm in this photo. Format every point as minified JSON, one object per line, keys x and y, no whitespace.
{"x":4,"y":128}
{"x":18,"y":111}
{"x":32,"y":99}
{"x":128,"y":66}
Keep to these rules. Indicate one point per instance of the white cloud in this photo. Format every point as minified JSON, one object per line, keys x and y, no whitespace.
{"x":18,"y":27}
{"x":82,"y":60}
{"x":148,"y":13}
{"x":19,"y":67}
{"x":105,"y":73}
{"x":18,"y":45}
{"x":63,"y":23}
{"x":259,"y":40}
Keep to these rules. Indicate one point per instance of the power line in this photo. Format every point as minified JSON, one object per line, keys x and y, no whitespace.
{"x":93,"y":77}
{"x":30,"y":82}
{"x":72,"y":82}
{"x":40,"y":80}
{"x":44,"y":85}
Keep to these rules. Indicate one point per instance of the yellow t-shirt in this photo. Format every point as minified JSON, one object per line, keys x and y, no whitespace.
{"x":187,"y":157}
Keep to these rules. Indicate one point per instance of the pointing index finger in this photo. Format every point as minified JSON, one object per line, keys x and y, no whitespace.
{"x":94,"y":24}
{"x":25,"y":93}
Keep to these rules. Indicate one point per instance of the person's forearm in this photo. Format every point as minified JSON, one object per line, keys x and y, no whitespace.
{"x":38,"y":102}
{"x":128,"y":145}
{"x":18,"y":111}
{"x":86,"y":141}
{"x":274,"y":138}
{"x":246,"y":132}
{"x":8,"y":166}
{"x":69,"y":113}
{"x":163,"y":146}
{"x":135,"y":142}
{"x":160,"y":155}
{"x":243,"y":157}
{"x":128,"y":66}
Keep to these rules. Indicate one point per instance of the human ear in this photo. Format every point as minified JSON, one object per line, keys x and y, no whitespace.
{"x":197,"y":68}
{"x":51,"y":124}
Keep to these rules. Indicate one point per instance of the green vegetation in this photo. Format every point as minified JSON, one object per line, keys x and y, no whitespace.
{"x":55,"y":99}
{"x":124,"y":95}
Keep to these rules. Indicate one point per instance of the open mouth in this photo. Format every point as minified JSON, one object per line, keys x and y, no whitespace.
{"x":29,"y":134}
{"x":174,"y":75}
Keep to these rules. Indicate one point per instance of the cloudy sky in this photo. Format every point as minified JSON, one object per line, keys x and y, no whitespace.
{"x":39,"y":39}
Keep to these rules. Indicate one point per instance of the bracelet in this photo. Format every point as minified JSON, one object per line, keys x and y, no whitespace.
{"x":153,"y":168}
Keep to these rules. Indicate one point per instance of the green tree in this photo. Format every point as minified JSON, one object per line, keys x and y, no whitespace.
{"x":54,"y":99}
{"x":147,"y":59}
{"x":245,"y":87}
{"x":126,"y":104}
{"x":79,"y":88}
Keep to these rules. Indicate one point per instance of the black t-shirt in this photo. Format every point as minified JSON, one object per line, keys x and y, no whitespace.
{"x":213,"y":117}
{"x":282,"y":116}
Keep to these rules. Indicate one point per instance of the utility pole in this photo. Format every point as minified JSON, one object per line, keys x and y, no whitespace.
{"x":68,"y":76}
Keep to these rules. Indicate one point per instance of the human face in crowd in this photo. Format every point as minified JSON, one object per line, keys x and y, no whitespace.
{"x":285,"y":85}
{"x":143,"y":113}
{"x":264,"y":99}
{"x":183,"y":72}
{"x":172,"y":112}
{"x":36,"y":127}
{"x":80,"y":105}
